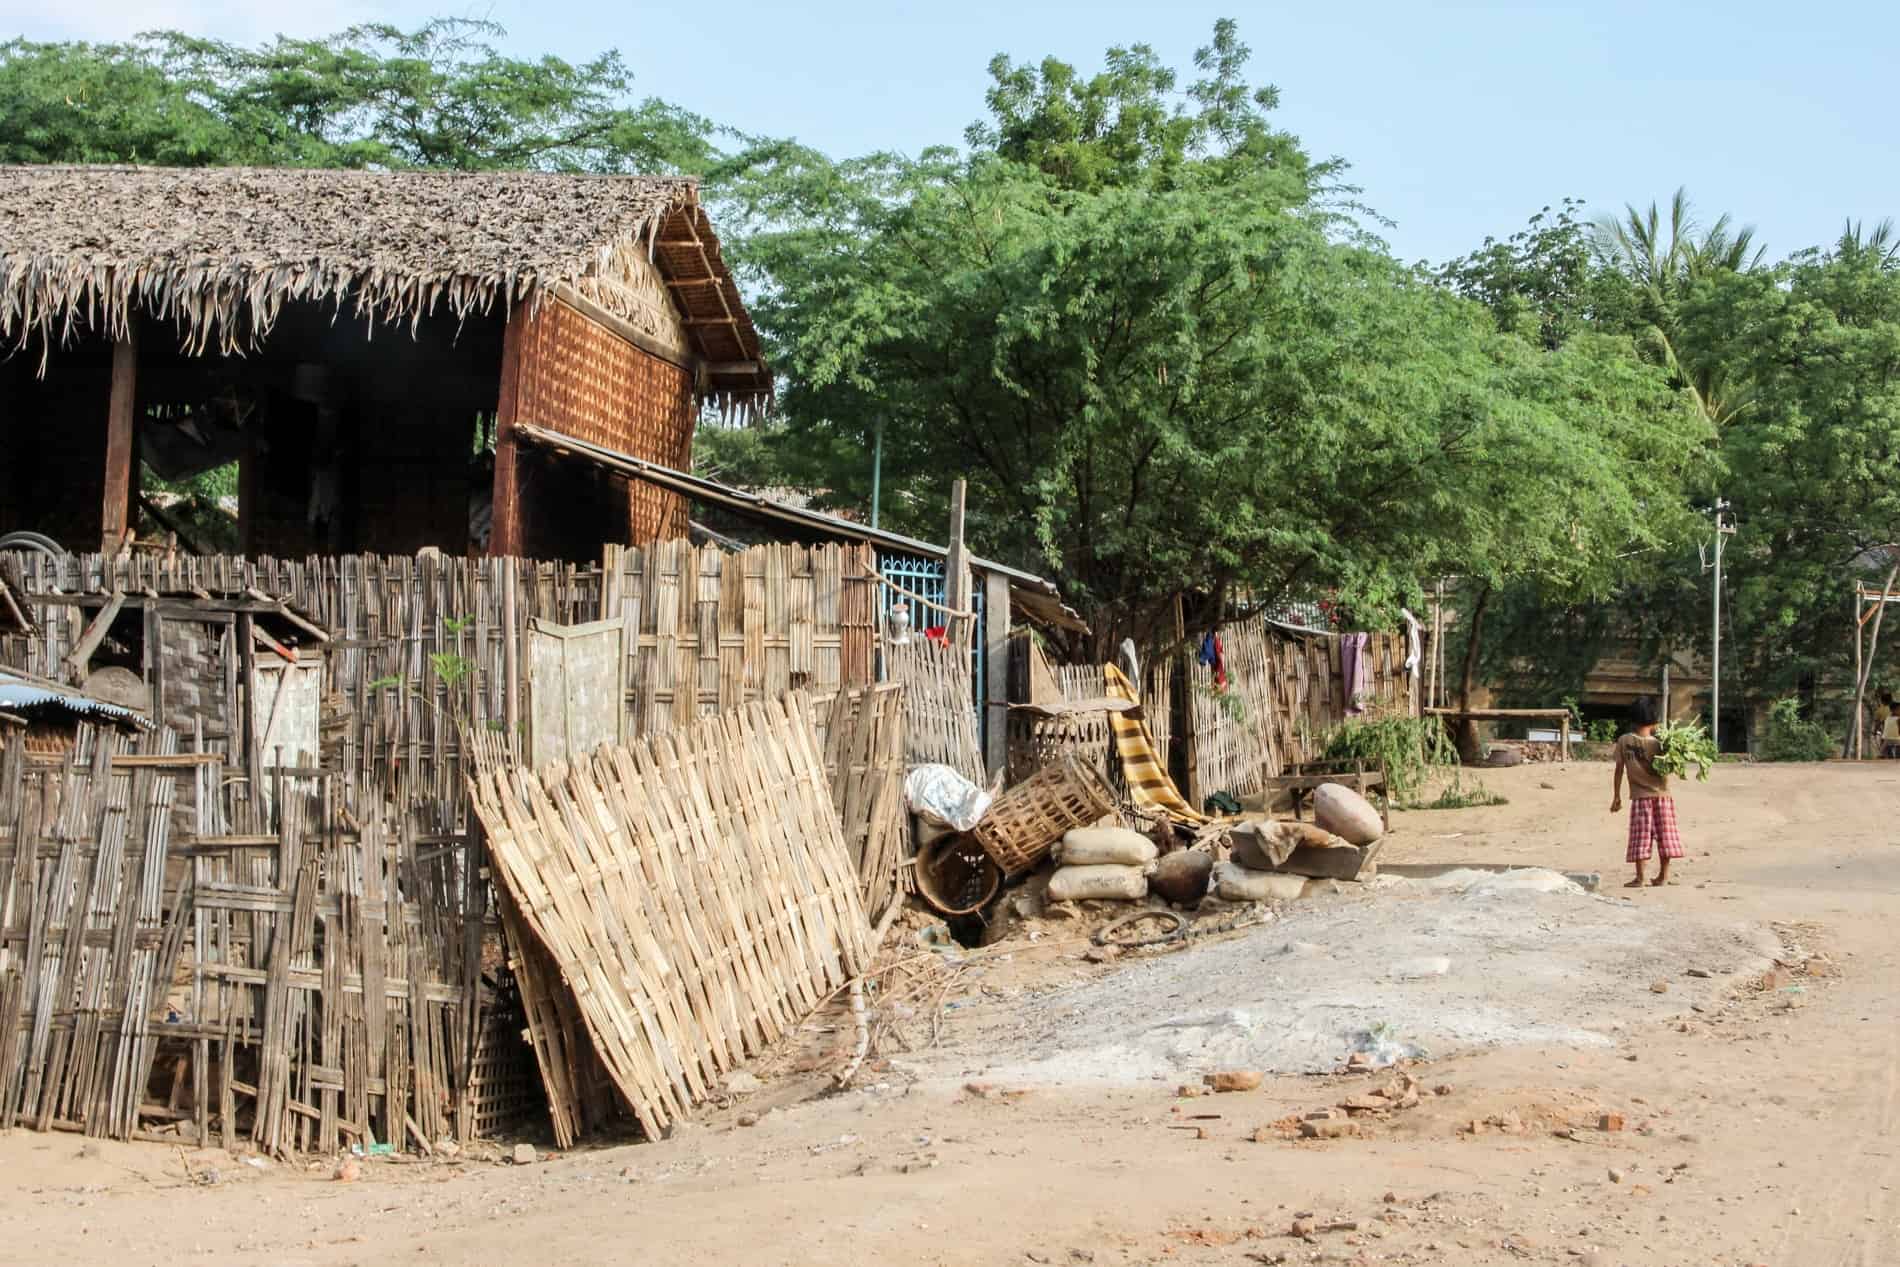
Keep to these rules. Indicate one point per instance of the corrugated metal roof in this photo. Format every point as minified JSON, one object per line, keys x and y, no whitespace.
{"x":18,"y":692}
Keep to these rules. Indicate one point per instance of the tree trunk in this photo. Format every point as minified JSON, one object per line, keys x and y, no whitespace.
{"x":1469,"y":750}
{"x":1867,"y":664}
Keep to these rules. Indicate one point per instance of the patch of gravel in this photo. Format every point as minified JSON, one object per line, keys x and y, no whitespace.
{"x":1434,"y":967}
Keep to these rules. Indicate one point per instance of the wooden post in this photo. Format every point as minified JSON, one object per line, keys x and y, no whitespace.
{"x":956,"y":570}
{"x":996,"y":671}
{"x":1563,"y":739}
{"x":504,"y":527}
{"x":511,"y":655}
{"x":1859,"y":652}
{"x":121,"y":420}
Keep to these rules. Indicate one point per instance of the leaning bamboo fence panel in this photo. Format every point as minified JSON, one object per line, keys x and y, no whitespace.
{"x":940,"y":707}
{"x":862,"y":735}
{"x":87,"y":936}
{"x":710,"y":630}
{"x":693,"y":889}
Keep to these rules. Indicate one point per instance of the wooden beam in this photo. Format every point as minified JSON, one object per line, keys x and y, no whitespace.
{"x":121,"y":420}
{"x":81,"y":655}
{"x":956,"y":566}
{"x":504,"y":528}
{"x":735,"y":367}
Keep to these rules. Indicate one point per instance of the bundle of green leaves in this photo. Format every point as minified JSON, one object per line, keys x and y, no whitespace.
{"x":1686,"y":746}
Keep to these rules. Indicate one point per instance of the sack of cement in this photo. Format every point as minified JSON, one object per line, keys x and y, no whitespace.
{"x":941,"y":795}
{"x":1099,"y":883}
{"x":1095,"y":846}
{"x":1265,"y":845}
{"x":1242,"y":884}
{"x":1346,"y":814}
{"x":1182,"y":876}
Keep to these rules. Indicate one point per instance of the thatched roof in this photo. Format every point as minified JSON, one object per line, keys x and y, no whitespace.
{"x":221,"y":250}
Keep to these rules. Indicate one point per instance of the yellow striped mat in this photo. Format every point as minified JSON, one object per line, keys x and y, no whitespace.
{"x":1148,"y":783}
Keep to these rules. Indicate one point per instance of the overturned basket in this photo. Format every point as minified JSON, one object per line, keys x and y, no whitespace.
{"x":1025,"y":822}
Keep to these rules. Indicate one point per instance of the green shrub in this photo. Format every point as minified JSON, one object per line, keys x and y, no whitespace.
{"x":1602,"y":730}
{"x":1789,"y":736}
{"x":1409,"y":748}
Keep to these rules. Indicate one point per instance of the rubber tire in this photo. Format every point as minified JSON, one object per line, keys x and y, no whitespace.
{"x":34,"y":541}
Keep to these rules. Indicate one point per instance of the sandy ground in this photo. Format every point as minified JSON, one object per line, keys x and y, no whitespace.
{"x":1045,"y":1125}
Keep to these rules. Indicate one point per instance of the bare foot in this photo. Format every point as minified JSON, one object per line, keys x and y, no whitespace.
{"x":1659,"y":881}
{"x":1637,"y":883}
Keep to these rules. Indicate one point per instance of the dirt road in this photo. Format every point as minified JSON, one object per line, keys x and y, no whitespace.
{"x":1759,"y":1106}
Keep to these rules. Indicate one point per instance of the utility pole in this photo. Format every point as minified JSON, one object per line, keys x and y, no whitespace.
{"x":877,"y":469}
{"x":1724,"y":528}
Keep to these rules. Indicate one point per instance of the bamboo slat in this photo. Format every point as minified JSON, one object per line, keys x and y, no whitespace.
{"x":940,"y":706}
{"x":863,"y":740}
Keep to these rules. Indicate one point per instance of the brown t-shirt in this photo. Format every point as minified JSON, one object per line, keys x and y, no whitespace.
{"x":1636,"y":754}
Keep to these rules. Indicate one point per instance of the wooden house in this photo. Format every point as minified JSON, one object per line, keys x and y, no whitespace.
{"x":361,"y":345}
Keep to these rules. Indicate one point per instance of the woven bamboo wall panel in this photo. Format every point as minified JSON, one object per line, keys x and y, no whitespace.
{"x":694,"y":891}
{"x":709,"y":630}
{"x":583,"y":380}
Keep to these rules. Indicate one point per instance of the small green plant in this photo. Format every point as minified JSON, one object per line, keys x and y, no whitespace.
{"x":1232,"y":707}
{"x":1788,"y":736}
{"x":1686,"y":746}
{"x":1602,"y":730}
{"x":1457,"y":796}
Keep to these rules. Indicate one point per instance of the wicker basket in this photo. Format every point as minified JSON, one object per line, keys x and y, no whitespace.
{"x":1025,"y":822}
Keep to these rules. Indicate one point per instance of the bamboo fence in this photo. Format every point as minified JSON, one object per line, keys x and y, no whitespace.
{"x":693,"y":891}
{"x":862,"y":737}
{"x":87,"y":940}
{"x":710,"y":630}
{"x":940,"y":724}
{"x":1285,"y":691}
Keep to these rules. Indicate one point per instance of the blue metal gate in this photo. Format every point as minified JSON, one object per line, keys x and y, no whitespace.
{"x":924,"y":578}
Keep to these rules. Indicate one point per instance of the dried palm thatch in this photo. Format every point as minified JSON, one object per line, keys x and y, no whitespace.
{"x":220,"y":251}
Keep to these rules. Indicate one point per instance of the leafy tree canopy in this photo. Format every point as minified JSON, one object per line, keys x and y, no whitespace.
{"x":1134,"y":321}
{"x":441,"y":96}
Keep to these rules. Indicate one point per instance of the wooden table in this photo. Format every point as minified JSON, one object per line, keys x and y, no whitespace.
{"x":1559,"y":715}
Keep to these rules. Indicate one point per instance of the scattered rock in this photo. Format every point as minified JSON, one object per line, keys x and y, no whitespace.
{"x":741,"y":1082}
{"x":748,"y":1119}
{"x":629,"y":1175}
{"x":447,"y":1148}
{"x":1610,"y":1122}
{"x":1443,"y":1088}
{"x":1358,"y":1062}
{"x":1101,"y":954}
{"x":1328,"y":1129}
{"x":349,"y":1170}
{"x":1659,"y":987}
{"x":1702,"y":973}
{"x":1616,"y":1176}
{"x":1234,"y":1080}
{"x":523,"y":1155}
{"x":1182,"y":876}
{"x":1390,"y":1198}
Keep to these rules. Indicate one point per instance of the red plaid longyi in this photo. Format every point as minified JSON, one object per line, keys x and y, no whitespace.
{"x":1652,"y":827}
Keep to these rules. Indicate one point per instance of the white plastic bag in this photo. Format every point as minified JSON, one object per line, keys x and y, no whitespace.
{"x":945,"y":797}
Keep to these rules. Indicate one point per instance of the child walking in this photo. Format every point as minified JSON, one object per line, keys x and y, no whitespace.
{"x":1652,"y":809}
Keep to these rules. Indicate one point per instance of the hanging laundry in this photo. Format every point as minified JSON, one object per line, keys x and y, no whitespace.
{"x":1355,"y":667}
{"x":1212,"y":656}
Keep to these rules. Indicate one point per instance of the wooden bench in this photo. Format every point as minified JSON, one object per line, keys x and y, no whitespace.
{"x":1356,"y":775}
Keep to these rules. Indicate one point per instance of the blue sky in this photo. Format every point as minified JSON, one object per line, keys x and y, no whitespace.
{"x":1459,"y":120}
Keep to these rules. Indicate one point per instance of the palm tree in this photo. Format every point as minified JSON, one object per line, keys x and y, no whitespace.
{"x":1666,"y":261}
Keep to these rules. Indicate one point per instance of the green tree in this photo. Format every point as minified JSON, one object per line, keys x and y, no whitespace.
{"x":440,"y":96}
{"x":1141,"y":329}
